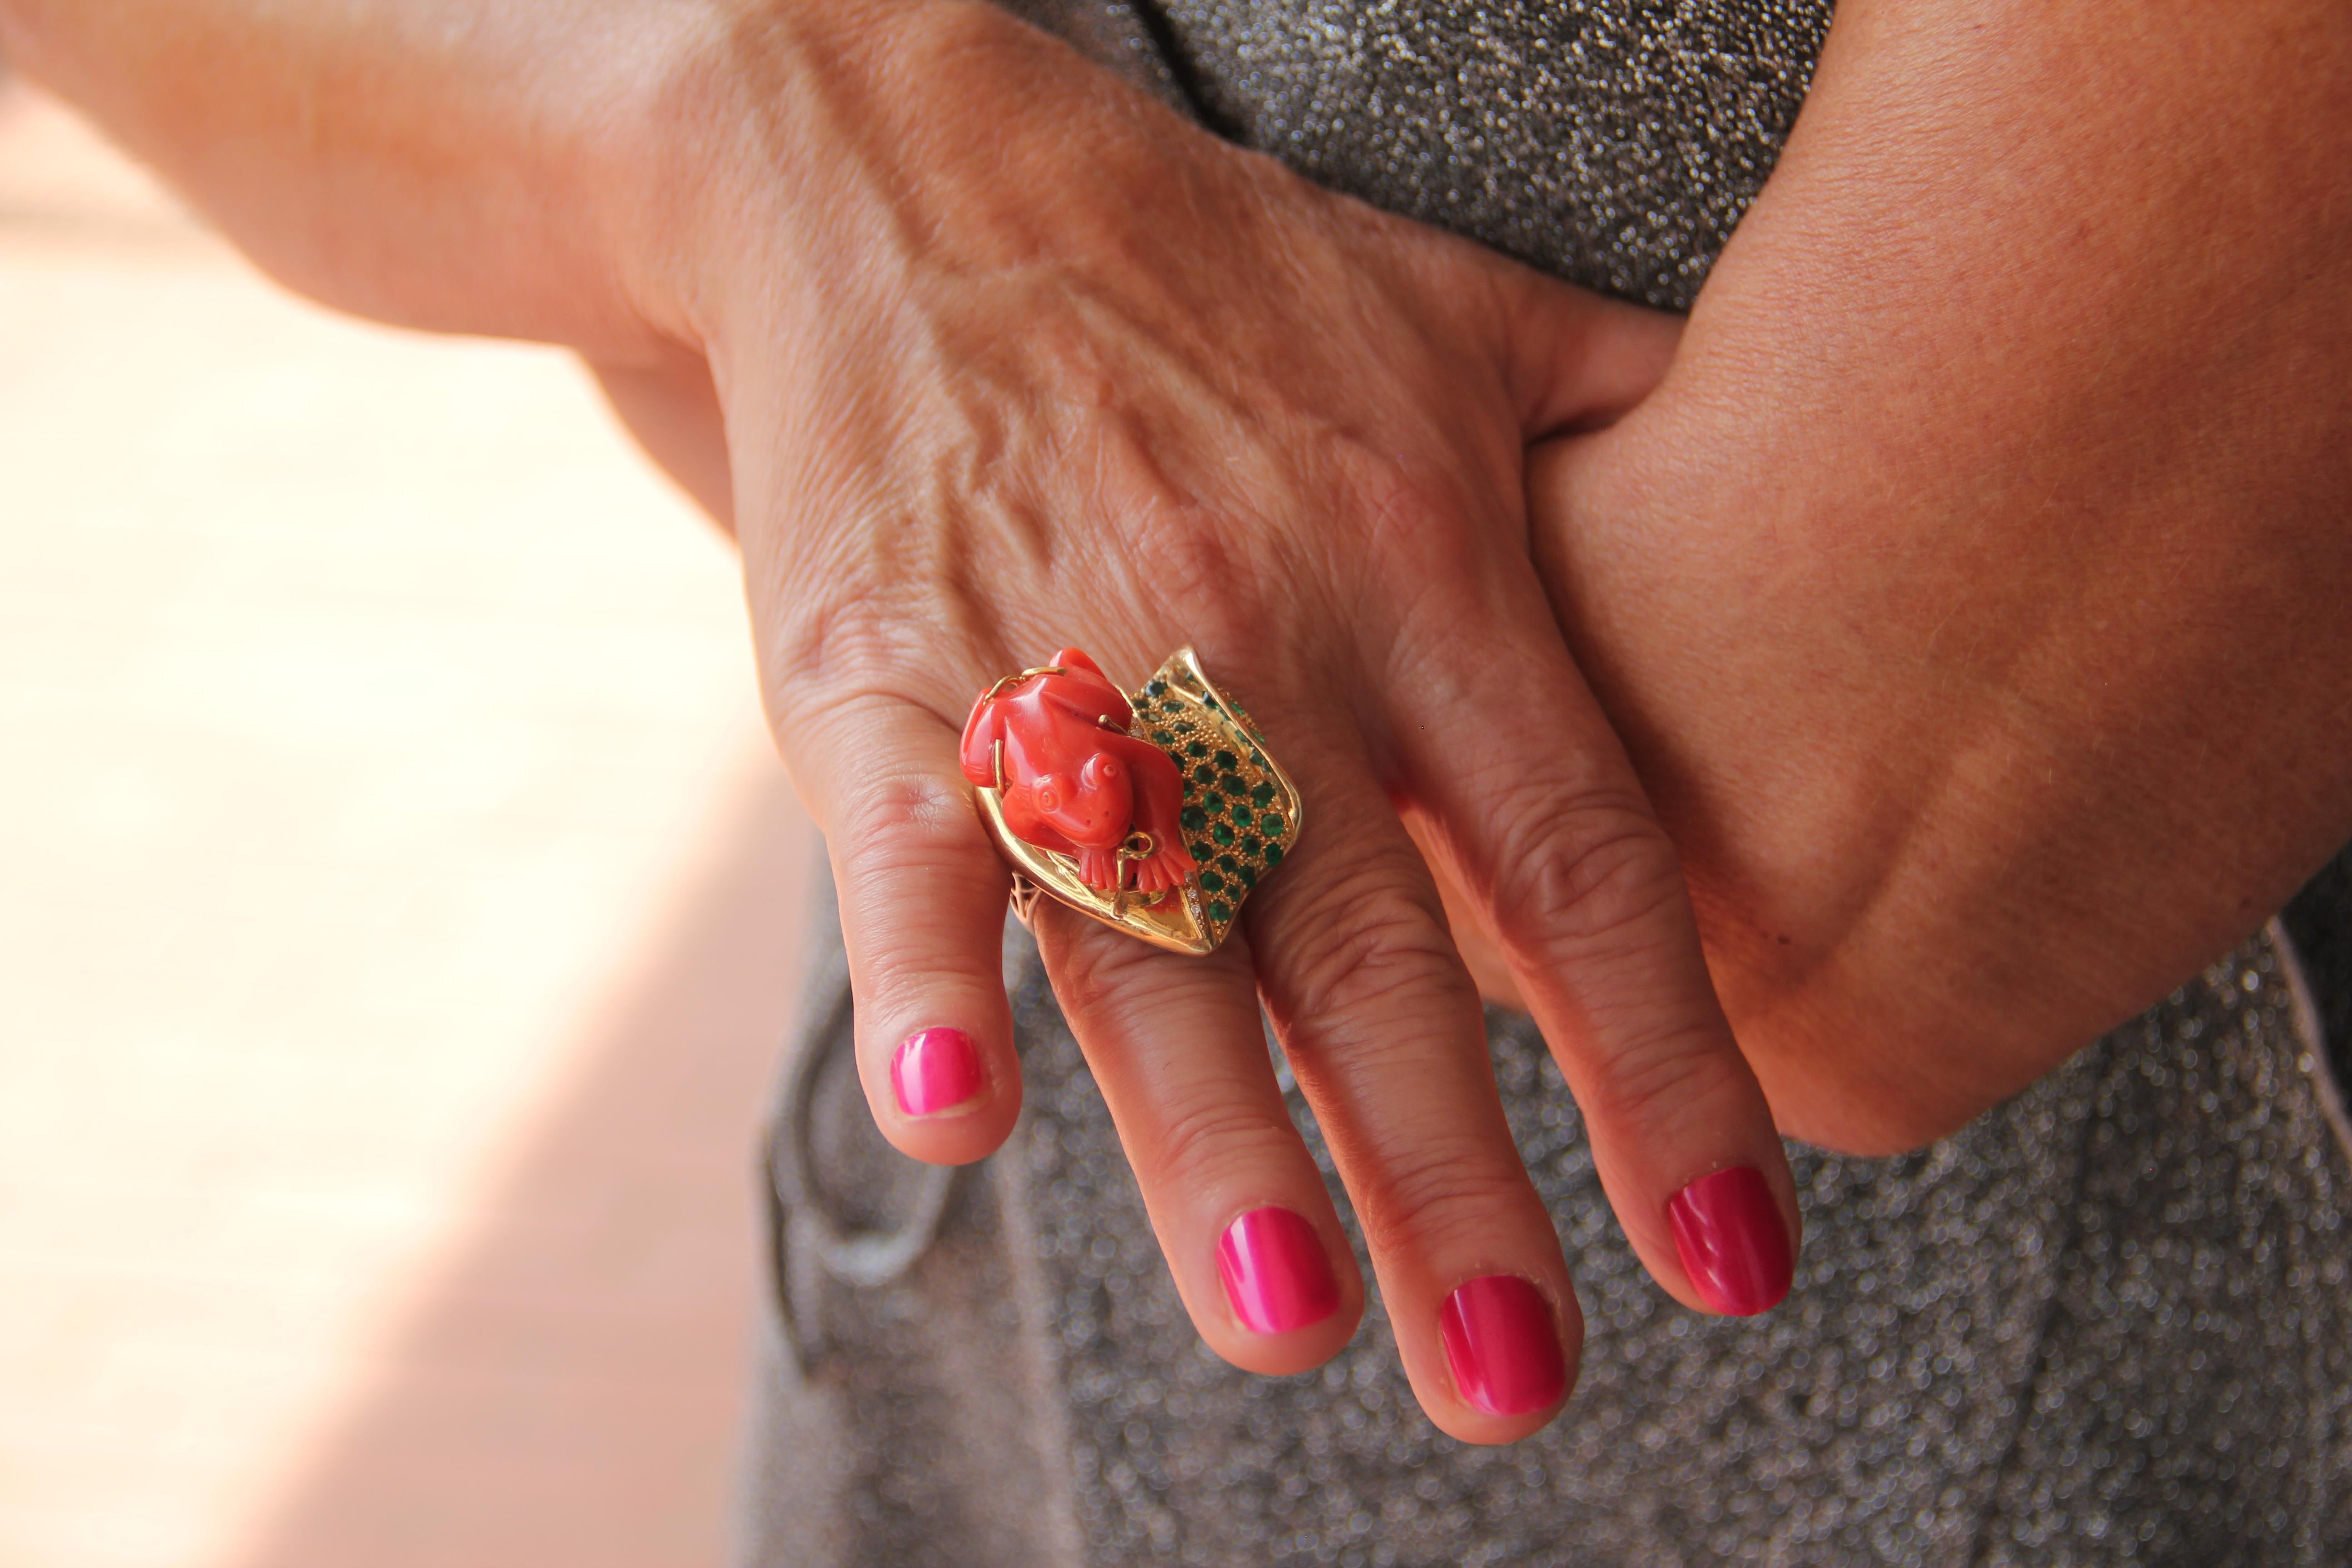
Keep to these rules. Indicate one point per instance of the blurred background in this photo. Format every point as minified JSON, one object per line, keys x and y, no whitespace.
{"x":398,"y":921}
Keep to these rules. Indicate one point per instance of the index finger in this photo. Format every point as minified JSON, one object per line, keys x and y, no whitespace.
{"x":922,"y":894}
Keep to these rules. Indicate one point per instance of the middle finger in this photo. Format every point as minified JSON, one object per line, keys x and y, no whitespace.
{"x":1383,"y":1028}
{"x":1242,"y":1214}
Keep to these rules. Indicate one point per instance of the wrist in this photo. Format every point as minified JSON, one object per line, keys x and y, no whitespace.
{"x":811,"y":153}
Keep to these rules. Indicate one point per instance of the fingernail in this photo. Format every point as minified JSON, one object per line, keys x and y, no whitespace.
{"x":1733,"y":1245}
{"x":1503,"y":1345}
{"x":1276,"y":1272}
{"x":936,"y":1070}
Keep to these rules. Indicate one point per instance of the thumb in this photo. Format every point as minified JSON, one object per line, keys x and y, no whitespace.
{"x":1578,"y":360}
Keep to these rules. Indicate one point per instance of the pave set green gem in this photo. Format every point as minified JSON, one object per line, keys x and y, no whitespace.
{"x":1238,"y":815}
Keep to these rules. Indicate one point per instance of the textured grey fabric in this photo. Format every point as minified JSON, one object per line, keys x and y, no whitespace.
{"x":2109,"y":1322}
{"x":1612,"y":143}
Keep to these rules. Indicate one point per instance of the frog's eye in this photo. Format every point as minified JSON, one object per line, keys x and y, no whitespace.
{"x":1047,"y":793}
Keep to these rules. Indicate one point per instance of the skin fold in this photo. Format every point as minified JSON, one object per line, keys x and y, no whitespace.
{"x":1967,"y":594}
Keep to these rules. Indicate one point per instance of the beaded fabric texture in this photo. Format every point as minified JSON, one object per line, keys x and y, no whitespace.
{"x":1614,"y":145}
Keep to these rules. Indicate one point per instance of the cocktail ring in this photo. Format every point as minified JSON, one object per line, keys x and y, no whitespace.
{"x":1156,"y":813}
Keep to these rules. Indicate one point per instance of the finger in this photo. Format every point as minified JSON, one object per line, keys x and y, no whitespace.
{"x":1383,"y":1030}
{"x":922,"y":893}
{"x":1575,"y":359}
{"x":1572,"y":359}
{"x":1178,"y":1048}
{"x":1546,"y":827}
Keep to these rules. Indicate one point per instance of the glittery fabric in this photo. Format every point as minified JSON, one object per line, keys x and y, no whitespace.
{"x":1612,"y":143}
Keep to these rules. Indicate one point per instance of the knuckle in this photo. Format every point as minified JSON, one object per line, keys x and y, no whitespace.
{"x":1206,"y":1132}
{"x":1439,"y":1187}
{"x":829,"y":669}
{"x":1099,"y":973}
{"x":904,"y":821}
{"x":1574,"y":872}
{"x":834,"y":621}
{"x":1361,"y":948}
{"x":1586,"y":886}
{"x":1655,"y":1082}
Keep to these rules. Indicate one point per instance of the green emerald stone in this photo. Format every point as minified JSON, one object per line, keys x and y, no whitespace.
{"x":1227,"y":759}
{"x":1196,"y":749}
{"x":1231,"y":784}
{"x":1212,"y":882}
{"x":1271,"y":825}
{"x":1157,"y":688}
{"x":1262,"y":794}
{"x":1227,"y":863}
{"x":1219,"y":911}
{"x":1200,"y":851}
{"x":1193,"y":818}
{"x":1223,"y":833}
{"x":1274,"y":854}
{"x":1204,"y":773}
{"x":1163,"y":738}
{"x":1249,"y":844}
{"x":1248,"y":878}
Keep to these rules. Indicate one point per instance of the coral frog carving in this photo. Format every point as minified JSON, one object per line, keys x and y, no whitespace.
{"x":1055,"y":742}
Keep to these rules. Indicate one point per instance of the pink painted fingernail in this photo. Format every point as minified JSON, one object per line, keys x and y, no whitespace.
{"x":1503,"y":1346}
{"x":1733,"y":1245}
{"x":1276,"y":1272}
{"x":937,"y":1070}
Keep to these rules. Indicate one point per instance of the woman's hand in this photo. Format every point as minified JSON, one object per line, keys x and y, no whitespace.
{"x":986,"y":354}
{"x":1973,"y":593}
{"x":1012,"y":358}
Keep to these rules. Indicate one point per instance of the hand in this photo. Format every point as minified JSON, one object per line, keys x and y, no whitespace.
{"x":1033,"y":363}
{"x":1971,"y":595}
{"x":986,"y":354}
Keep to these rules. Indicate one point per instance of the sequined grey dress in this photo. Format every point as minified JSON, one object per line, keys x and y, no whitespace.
{"x":2109,"y":1322}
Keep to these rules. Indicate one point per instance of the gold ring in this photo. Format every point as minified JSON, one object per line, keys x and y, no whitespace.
{"x":1157,"y":811}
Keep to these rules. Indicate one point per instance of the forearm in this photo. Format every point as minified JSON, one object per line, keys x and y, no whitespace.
{"x":460,"y":165}
{"x":588,"y":173}
{"x":1972,"y":590}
